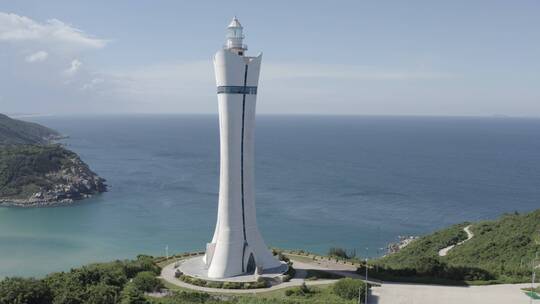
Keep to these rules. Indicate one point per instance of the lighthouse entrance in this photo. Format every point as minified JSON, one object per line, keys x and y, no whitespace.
{"x":251,"y":264}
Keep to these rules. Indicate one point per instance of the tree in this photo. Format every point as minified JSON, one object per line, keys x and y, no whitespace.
{"x":147,"y":281}
{"x":101,"y":294}
{"x":132,"y":295}
{"x":24,"y":291}
{"x":428,"y":266}
{"x":66,"y":288}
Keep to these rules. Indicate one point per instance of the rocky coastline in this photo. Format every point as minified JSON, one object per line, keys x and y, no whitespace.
{"x":402,"y":243}
{"x":37,"y":171}
{"x":72,"y":181}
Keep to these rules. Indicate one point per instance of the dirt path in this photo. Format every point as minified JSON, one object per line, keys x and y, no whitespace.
{"x":444,"y":251}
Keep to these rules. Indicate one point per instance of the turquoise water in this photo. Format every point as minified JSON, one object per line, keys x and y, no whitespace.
{"x":353,"y":182}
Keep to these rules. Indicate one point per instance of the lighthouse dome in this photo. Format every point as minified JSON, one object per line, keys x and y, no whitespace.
{"x":235,"y":23}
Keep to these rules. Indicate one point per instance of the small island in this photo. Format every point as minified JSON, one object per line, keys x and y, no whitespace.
{"x":36,"y":172}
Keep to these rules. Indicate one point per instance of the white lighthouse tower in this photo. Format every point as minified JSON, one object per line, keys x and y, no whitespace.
{"x":237,"y":246}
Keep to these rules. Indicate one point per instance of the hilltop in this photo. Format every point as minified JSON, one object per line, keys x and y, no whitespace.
{"x":16,"y":132}
{"x":500,"y":251}
{"x":36,"y":172}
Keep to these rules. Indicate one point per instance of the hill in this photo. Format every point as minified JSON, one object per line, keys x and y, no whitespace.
{"x":32,"y":175}
{"x":500,"y":250}
{"x":13,"y":131}
{"x":34,"y":172}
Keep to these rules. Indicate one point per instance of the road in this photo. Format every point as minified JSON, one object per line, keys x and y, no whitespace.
{"x":387,"y":292}
{"x":399,"y":293}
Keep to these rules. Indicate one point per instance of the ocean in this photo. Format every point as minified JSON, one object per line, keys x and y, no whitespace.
{"x":356,"y":182}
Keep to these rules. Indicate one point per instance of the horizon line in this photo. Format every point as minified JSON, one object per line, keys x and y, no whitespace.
{"x":78,"y":114}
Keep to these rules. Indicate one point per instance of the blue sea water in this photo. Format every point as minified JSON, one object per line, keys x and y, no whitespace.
{"x":321,"y":181}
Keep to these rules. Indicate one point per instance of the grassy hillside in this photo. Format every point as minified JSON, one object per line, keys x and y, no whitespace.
{"x":127,"y":281}
{"x":500,"y":251}
{"x":13,"y":131}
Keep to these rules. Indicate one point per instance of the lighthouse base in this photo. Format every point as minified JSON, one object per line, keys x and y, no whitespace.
{"x":195,"y":267}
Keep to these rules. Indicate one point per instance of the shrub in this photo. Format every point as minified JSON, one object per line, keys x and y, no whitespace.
{"x":101,"y":294}
{"x":142,"y":263}
{"x":190,"y":297}
{"x":315,"y":274}
{"x":132,"y":295}
{"x":147,"y":281}
{"x":232,"y":285}
{"x":214,"y":284}
{"x":338,"y":252}
{"x":261,"y":283}
{"x":349,"y":288}
{"x":198,"y":282}
{"x":28,"y":291}
{"x":301,"y":291}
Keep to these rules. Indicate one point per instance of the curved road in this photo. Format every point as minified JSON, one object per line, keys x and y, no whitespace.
{"x":167,"y":273}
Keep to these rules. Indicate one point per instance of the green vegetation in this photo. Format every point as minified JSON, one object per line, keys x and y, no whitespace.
{"x":17,"y":132}
{"x":342,"y":253}
{"x":301,"y":290}
{"x":260,"y":283}
{"x":349,"y":289}
{"x":125,"y":282}
{"x":28,"y":291}
{"x":316,"y":274}
{"x":34,"y":172}
{"x":24,"y":168}
{"x":500,"y":252}
{"x":147,"y":281}
{"x":293,"y":295}
{"x":131,"y":295}
{"x":97,"y":283}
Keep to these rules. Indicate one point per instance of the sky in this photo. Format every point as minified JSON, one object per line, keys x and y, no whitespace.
{"x":477,"y":58}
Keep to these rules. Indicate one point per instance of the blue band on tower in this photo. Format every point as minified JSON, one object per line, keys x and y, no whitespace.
{"x":244,"y":90}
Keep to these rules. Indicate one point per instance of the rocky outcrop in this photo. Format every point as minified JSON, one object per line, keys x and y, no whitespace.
{"x":36,"y":172}
{"x":403,"y":242}
{"x":73,"y":182}
{"x":36,"y":176}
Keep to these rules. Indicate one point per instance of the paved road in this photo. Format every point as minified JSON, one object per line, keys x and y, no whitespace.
{"x":398,"y":293}
{"x":387,"y":293}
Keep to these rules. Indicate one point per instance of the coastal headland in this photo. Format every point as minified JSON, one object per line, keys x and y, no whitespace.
{"x":35,"y":171}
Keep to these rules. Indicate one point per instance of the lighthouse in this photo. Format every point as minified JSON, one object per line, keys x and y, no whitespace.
{"x":237,"y":247}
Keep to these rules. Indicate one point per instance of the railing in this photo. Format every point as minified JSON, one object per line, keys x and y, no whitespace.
{"x":242,"y":46}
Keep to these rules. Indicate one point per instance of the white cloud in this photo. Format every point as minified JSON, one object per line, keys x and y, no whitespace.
{"x":339,"y":71}
{"x":37,"y":57}
{"x":53,"y":32}
{"x":190,"y":86}
{"x":92,"y":84}
{"x":177,"y":80}
{"x":74,"y":67}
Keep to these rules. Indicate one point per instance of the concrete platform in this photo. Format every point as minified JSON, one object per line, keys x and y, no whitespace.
{"x":196,"y":268}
